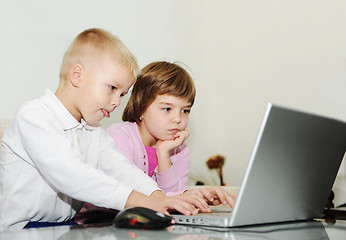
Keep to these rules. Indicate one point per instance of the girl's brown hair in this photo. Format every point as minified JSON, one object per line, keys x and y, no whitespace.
{"x":155,"y":79}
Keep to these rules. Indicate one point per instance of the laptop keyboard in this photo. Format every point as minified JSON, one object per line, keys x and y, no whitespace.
{"x":217,"y":212}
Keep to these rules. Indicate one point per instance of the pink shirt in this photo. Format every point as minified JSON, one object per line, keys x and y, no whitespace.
{"x":152,"y":159}
{"x":128,"y":139}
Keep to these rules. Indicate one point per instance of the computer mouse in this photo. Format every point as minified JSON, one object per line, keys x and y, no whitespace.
{"x":141,"y":218}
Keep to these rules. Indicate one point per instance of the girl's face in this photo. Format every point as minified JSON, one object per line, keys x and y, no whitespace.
{"x":164,"y":117}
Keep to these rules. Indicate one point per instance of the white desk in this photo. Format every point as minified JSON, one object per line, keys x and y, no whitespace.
{"x":303,"y":230}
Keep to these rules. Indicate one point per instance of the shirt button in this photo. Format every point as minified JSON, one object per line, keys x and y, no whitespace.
{"x":78,"y":139}
{"x":143,"y":156}
{"x":145,"y":163}
{"x":145,"y":172}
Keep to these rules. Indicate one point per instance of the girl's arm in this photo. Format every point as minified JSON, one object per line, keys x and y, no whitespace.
{"x":164,"y":147}
{"x":174,"y":179}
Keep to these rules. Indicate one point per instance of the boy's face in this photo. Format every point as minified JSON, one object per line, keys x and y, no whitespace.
{"x":165,"y":116}
{"x":103,"y":84}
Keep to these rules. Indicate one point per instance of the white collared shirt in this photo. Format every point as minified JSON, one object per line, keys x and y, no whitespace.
{"x":50,"y":164}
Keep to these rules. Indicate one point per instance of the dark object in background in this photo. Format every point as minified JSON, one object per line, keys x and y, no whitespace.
{"x":199,"y":183}
{"x":216,"y":162}
{"x":142,"y":218}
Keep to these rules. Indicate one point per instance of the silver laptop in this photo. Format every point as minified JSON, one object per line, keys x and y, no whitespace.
{"x":290,"y":173}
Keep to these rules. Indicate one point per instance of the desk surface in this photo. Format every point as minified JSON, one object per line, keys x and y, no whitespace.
{"x":304,"y":230}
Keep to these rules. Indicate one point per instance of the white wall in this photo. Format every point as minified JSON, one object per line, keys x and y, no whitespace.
{"x":242,"y":54}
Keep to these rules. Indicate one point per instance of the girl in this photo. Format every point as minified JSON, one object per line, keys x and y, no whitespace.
{"x":153,"y":133}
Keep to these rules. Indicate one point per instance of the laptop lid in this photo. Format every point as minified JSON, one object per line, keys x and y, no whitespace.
{"x":292,"y":169}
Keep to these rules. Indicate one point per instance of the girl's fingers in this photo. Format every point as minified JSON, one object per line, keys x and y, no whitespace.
{"x":207,"y":193}
{"x":183,"y":135}
{"x":217,"y":195}
{"x":224,"y":196}
{"x":221,"y":195}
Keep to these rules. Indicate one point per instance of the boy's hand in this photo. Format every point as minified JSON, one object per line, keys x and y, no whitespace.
{"x":213,"y":195}
{"x":158,"y":201}
{"x":195,"y":199}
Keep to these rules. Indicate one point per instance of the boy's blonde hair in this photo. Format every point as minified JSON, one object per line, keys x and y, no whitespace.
{"x":97,"y":41}
{"x":155,"y":79}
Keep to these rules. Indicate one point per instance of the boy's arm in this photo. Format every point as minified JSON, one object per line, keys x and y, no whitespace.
{"x":61,"y":165}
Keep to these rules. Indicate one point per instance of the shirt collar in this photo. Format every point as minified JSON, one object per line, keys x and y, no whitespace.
{"x":60,"y":112}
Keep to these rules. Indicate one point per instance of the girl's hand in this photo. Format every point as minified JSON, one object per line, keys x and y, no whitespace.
{"x":213,"y":195}
{"x":168,"y":145}
{"x":163,"y":147}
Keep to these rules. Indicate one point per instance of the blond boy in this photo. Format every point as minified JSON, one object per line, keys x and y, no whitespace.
{"x":54,"y":155}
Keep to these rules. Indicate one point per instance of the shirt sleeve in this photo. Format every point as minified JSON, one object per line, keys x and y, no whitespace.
{"x":174,"y":180}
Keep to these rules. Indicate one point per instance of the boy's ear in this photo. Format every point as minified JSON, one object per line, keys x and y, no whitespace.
{"x":76,"y":75}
